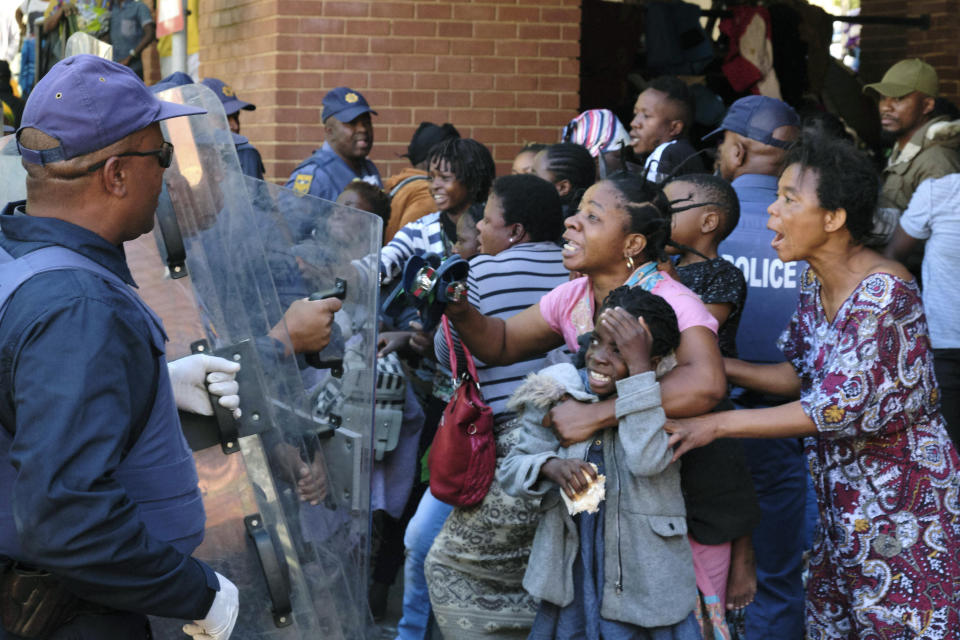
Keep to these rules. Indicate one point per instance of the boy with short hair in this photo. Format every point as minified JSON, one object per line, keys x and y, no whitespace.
{"x":662,"y":115}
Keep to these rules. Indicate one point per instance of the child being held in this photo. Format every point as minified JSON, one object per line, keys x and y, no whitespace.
{"x":706,"y":210}
{"x":722,"y":507}
{"x":625,"y":571}
{"x":468,"y":237}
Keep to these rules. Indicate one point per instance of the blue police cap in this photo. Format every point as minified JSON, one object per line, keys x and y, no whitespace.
{"x":757,"y":117}
{"x":179,"y":79}
{"x":231,"y":103}
{"x":88,"y":103}
{"x":175,"y":79}
{"x":344,"y":104}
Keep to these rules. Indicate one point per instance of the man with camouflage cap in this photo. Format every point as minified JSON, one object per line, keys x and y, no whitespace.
{"x":924,"y":144}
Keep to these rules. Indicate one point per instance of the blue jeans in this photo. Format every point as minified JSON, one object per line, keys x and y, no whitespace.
{"x":423,"y":528}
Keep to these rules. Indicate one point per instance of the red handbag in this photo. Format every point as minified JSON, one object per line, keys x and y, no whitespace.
{"x":463,"y":456}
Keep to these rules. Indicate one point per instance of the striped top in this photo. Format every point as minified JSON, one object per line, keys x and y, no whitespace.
{"x":418,"y":237}
{"x":501,"y":286}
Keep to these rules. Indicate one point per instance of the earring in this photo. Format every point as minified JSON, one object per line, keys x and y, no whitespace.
{"x":630,"y":262}
{"x":511,"y":240}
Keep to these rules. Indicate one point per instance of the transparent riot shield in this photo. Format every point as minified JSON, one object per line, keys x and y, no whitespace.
{"x":238,"y":253}
{"x":80,"y":42}
{"x":227,"y":258}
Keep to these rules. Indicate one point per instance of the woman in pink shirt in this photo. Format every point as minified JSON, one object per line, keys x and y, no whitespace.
{"x":616,"y":236}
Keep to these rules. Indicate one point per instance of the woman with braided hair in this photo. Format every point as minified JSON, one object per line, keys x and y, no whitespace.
{"x":461,"y":172}
{"x":616,"y":237}
{"x":570,"y":168}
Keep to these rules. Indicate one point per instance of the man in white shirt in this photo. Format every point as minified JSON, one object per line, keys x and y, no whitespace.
{"x":933,"y":217}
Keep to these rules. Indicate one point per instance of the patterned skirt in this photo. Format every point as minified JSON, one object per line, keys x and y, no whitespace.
{"x":475,"y":567}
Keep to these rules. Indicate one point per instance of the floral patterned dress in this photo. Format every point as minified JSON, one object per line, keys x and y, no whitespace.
{"x":886,"y":562}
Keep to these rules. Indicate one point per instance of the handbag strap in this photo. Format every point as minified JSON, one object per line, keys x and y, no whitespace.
{"x":471,"y":367}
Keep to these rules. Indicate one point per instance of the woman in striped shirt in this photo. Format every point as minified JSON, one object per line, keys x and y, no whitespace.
{"x":487,"y":546}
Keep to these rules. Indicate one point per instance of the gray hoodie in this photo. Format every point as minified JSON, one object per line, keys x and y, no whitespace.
{"x":647,"y":560}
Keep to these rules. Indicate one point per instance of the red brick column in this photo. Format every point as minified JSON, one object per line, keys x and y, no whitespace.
{"x":504,"y":72}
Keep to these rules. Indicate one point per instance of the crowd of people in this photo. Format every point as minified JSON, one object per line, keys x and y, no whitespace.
{"x":738,"y":338}
{"x":732,"y":508}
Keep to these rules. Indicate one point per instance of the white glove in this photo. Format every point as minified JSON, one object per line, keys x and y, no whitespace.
{"x":193,"y":377}
{"x":218,"y":625}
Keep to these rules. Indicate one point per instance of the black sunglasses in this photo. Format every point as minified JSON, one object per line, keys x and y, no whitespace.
{"x":164,"y":156}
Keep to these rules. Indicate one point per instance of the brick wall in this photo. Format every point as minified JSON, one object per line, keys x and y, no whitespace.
{"x":940,"y":45}
{"x":503,"y":71}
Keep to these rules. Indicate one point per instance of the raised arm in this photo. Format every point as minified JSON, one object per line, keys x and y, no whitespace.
{"x":502,"y":342}
{"x":900,"y":245}
{"x":697,"y":384}
{"x":778,"y":379}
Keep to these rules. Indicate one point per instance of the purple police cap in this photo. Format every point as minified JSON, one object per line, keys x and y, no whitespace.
{"x":88,"y":103}
{"x":231,"y":103}
{"x":757,"y":117}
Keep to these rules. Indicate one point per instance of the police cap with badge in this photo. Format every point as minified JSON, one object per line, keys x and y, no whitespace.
{"x":231,"y":103}
{"x":345,"y":104}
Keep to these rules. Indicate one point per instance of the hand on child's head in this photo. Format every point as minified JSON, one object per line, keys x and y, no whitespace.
{"x":630,"y":334}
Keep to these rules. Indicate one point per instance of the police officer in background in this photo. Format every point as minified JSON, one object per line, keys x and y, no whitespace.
{"x":348,"y":130}
{"x":757,"y":130}
{"x":250,"y":162}
{"x":99,"y":504}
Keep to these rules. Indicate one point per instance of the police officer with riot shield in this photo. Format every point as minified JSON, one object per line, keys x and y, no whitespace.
{"x":99,"y":505}
{"x":288,"y":519}
{"x":300,"y":489}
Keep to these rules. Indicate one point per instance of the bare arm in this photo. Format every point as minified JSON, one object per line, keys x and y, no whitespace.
{"x":149,"y":35}
{"x":778,"y":379}
{"x":900,"y":245}
{"x":784,"y":421}
{"x":720,"y":310}
{"x":502,"y":342}
{"x":697,"y":384}
{"x":53,"y":19}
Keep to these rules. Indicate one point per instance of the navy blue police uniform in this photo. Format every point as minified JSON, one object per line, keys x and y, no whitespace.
{"x":251,"y":164}
{"x":325,"y":174}
{"x":98,"y":488}
{"x":777,"y":465}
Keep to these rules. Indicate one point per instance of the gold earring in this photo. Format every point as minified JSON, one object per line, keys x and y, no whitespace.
{"x":630,"y":262}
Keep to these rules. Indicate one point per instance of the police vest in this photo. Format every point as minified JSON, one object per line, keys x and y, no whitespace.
{"x":772,"y":285}
{"x":158,"y":473}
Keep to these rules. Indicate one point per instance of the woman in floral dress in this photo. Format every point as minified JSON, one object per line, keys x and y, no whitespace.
{"x":886,"y":562}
